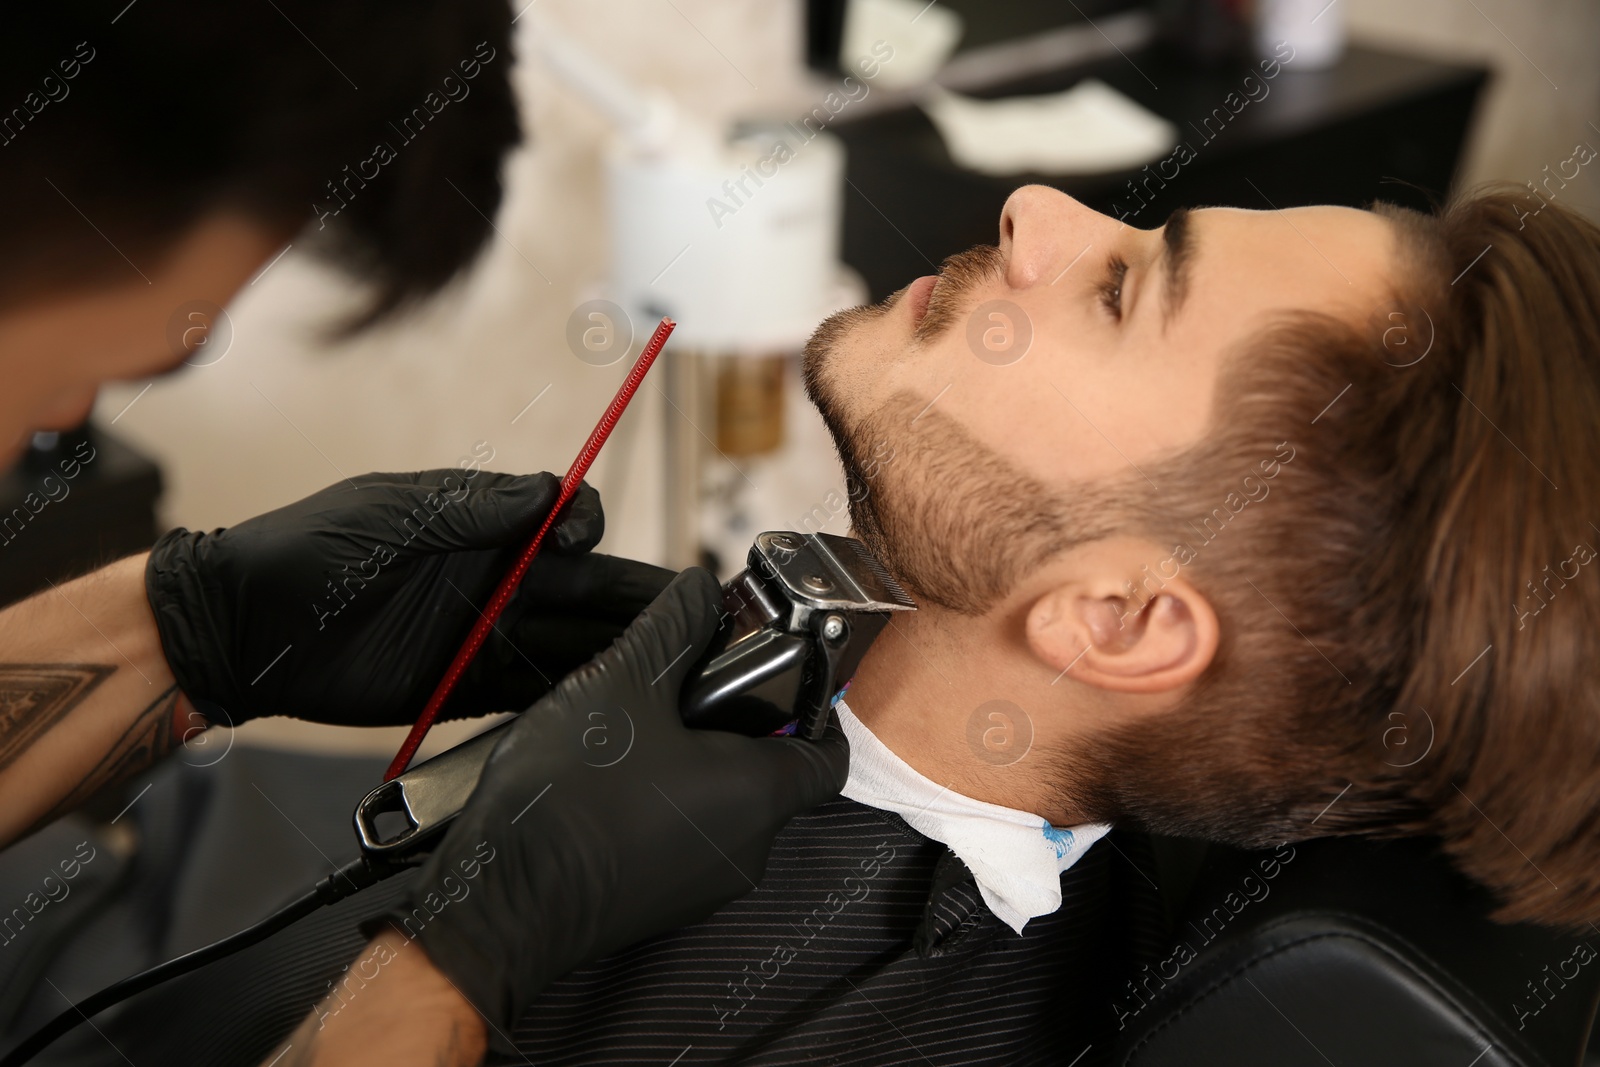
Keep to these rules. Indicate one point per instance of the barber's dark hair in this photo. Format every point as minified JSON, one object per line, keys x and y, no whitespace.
{"x":123,"y":123}
{"x":1411,"y":617}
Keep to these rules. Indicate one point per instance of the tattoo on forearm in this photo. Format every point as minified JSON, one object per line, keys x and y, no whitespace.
{"x":36,"y":696}
{"x":148,"y":737}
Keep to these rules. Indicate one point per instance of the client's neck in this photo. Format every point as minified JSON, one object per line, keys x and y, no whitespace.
{"x":947,"y":696}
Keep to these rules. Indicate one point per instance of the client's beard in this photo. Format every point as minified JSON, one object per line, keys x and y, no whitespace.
{"x":850,"y":442}
{"x":951,"y":518}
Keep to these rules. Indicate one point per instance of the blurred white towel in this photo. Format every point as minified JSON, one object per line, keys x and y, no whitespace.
{"x":1088,"y":128}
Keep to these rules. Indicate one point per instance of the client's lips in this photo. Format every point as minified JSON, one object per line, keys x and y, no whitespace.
{"x":917,"y":295}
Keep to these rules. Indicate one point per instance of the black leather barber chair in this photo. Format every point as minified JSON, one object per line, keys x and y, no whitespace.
{"x":1341,"y":952}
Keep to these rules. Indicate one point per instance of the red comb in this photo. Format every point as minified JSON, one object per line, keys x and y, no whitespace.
{"x":513,"y":578}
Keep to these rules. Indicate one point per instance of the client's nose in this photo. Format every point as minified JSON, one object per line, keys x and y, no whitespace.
{"x":1037,"y":226}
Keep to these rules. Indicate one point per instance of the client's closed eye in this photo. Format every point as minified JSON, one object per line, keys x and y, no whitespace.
{"x":1111,"y":288}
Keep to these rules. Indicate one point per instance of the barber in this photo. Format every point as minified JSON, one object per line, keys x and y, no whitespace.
{"x":344,"y":608}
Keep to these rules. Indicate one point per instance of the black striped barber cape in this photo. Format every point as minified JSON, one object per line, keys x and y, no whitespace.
{"x":865,"y":943}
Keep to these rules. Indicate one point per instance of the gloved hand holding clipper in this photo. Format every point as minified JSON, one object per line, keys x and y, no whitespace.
{"x":573,"y":849}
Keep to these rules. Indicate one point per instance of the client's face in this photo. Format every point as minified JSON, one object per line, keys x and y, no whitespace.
{"x":1078,"y":349}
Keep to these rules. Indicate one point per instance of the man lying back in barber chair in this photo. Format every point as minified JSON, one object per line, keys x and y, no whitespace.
{"x":1251,"y":490}
{"x":1247,"y":492}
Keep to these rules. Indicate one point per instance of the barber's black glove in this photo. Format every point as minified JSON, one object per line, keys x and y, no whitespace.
{"x":600,"y":819}
{"x":347,"y":606}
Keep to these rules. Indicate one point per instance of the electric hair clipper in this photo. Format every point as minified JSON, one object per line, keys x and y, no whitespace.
{"x":795,"y":624}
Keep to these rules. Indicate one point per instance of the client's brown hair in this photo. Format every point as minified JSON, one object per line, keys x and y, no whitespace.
{"x":1412,"y":614}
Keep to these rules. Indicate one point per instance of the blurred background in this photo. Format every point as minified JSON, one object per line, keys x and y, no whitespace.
{"x":749,"y":167}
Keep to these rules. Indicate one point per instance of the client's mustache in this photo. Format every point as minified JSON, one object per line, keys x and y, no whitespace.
{"x":958,"y":277}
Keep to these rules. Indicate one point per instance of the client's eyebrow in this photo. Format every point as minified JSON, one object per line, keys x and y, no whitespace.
{"x":1177,"y":241}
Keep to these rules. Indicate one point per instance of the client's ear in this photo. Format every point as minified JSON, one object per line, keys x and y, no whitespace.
{"x":1123,"y":644}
